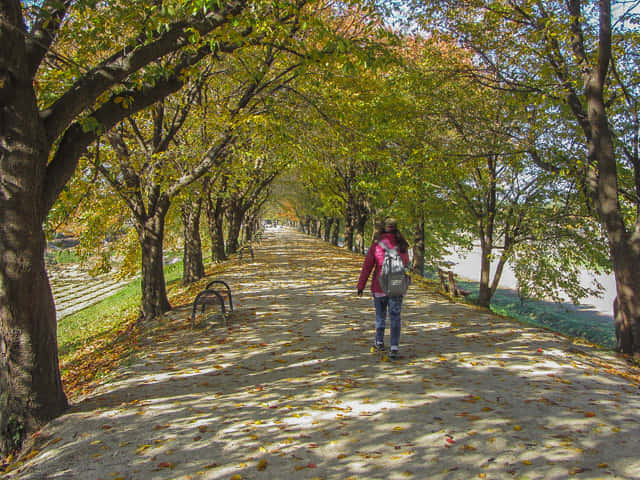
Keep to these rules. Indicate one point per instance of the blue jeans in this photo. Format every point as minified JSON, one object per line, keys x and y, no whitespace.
{"x":394,"y":305}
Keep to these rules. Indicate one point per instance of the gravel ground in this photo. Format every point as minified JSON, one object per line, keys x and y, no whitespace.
{"x":288,"y":388}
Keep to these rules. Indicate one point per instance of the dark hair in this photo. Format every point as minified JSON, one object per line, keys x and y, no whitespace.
{"x":401,"y":242}
{"x":403,"y":245}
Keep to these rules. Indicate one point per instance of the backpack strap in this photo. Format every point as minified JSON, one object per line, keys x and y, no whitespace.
{"x":386,"y":247}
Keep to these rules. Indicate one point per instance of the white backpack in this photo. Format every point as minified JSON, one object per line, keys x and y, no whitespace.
{"x":393,"y":278}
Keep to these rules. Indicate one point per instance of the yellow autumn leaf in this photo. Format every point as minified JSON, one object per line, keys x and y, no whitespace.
{"x":262,"y":465}
{"x":142,"y":448}
{"x":31,"y":454}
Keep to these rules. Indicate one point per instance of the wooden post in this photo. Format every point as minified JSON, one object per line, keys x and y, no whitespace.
{"x":443,"y":285}
{"x":452,"y":283}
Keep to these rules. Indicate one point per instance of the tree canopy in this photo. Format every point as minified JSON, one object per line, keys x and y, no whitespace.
{"x":510,"y":125}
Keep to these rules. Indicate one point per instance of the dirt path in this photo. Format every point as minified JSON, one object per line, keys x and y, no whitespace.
{"x":288,"y":390}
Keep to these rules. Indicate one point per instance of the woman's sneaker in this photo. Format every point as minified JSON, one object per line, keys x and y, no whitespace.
{"x":379,"y":347}
{"x":393,"y":354}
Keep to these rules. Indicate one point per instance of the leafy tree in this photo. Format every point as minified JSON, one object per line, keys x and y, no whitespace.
{"x":571,"y":57}
{"x":53,"y":105}
{"x":250,"y":176}
{"x":412,"y":127}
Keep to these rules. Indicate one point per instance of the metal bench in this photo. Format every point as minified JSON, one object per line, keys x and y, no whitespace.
{"x":213,"y":295}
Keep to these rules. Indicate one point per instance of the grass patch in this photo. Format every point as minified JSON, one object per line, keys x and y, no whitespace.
{"x":569,"y":320}
{"x":94,"y":341}
{"x":93,"y":322}
{"x":65,"y":256}
{"x":584,"y":324}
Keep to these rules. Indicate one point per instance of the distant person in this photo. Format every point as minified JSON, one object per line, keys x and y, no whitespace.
{"x":386,"y":232}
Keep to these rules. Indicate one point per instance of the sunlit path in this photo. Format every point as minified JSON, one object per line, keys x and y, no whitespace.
{"x":288,"y":389}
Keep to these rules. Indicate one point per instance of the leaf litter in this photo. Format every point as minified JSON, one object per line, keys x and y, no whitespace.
{"x":288,"y":388}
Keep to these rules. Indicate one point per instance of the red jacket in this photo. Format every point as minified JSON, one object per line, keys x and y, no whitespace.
{"x":373,"y":261}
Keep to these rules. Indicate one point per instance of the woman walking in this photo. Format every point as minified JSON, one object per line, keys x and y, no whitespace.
{"x":386,"y":234}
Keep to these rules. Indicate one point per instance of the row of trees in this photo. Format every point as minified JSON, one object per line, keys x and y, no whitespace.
{"x":176,"y":107}
{"x":513,"y":125}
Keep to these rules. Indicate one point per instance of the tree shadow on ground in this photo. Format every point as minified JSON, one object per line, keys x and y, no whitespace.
{"x":288,"y":388}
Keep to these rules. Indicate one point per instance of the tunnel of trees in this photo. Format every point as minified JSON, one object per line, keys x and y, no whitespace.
{"x":509,"y":125}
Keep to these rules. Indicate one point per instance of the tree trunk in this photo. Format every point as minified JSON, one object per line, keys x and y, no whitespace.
{"x":215,"y":217}
{"x":348,"y":229}
{"x":248,"y":231}
{"x":154,"y":293}
{"x":235,"y":223}
{"x":624,"y":246}
{"x":486,"y":246}
{"x":624,"y":243}
{"x":30,"y":388}
{"x":502,"y":262}
{"x":486,"y":224}
{"x":627,"y":308}
{"x":328,"y":221}
{"x":625,"y":253}
{"x":305,"y":223}
{"x":335,"y":237}
{"x":484,"y":292}
{"x":192,"y":259}
{"x":360,"y":224}
{"x":418,"y":248}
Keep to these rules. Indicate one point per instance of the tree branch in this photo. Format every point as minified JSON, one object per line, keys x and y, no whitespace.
{"x":39,"y":41}
{"x":121,"y":64}
{"x":76,"y":139}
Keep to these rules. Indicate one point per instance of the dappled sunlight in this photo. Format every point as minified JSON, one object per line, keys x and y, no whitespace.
{"x":288,"y":388}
